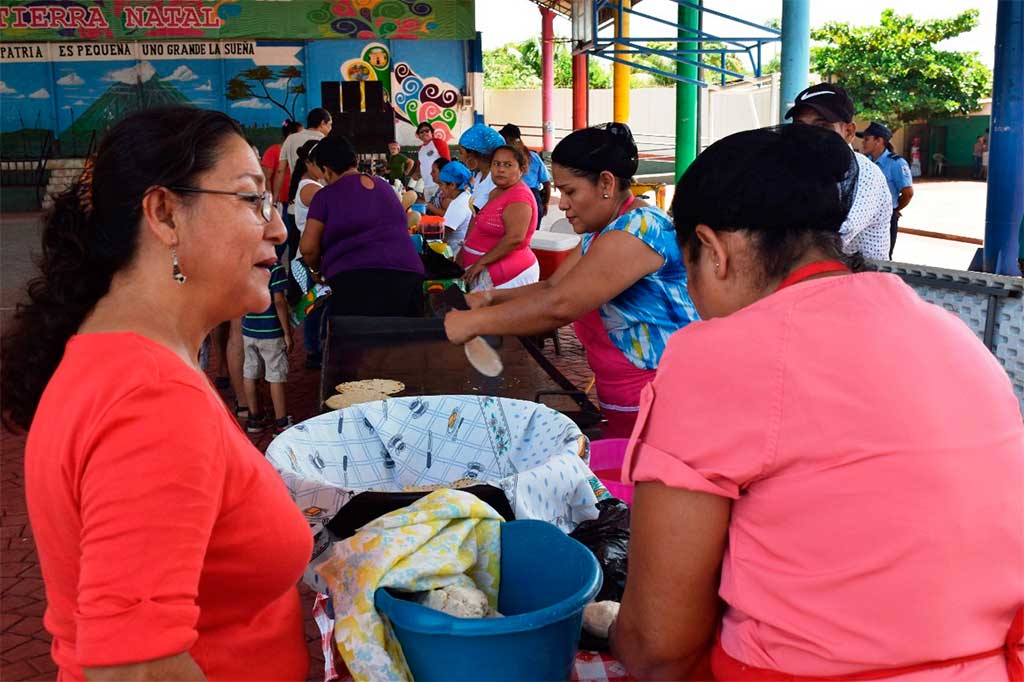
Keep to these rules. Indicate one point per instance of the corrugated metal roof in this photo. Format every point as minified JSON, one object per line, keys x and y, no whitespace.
{"x":564,"y":7}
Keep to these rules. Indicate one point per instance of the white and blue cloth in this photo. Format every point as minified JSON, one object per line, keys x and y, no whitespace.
{"x":537,"y":456}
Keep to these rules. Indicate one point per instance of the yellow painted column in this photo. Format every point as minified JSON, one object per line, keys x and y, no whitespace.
{"x":620,"y":72}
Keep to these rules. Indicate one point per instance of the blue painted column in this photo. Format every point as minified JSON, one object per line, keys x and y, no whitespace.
{"x":796,"y":51}
{"x":475,"y":80}
{"x":1006,"y":143}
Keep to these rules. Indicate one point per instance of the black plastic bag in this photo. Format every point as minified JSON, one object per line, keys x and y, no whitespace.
{"x":437,"y":266}
{"x":607,"y":537}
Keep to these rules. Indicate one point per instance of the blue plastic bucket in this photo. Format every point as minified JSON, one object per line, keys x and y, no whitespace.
{"x":547,"y":578}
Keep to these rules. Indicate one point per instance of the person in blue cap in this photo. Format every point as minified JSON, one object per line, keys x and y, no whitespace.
{"x":454,"y":182}
{"x":895,"y":168}
{"x":478,"y":145}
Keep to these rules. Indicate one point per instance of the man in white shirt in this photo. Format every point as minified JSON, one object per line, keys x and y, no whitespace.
{"x":866,"y":229}
{"x":318,"y":125}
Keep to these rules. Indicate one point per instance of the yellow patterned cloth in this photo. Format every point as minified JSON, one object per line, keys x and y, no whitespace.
{"x":447,"y":538}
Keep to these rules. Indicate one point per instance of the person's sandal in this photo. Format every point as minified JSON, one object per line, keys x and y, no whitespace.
{"x":241,"y":411}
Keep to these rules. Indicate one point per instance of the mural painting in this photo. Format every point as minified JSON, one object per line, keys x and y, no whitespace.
{"x":374,"y":64}
{"x":429,"y":100}
{"x":49,"y":20}
{"x":81,"y":96}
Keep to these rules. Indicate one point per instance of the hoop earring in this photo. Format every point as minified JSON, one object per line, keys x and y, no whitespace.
{"x":176,"y":272}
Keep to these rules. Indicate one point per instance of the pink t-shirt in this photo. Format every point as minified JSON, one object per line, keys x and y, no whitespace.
{"x":874,"y":451}
{"x":489,"y":229}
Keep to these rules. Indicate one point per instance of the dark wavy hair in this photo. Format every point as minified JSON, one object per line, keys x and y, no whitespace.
{"x":288,"y":128}
{"x":590,"y":151}
{"x":790,"y":187}
{"x":300,"y":169}
{"x":92,"y":232}
{"x":521,"y":157}
{"x":335,"y":152}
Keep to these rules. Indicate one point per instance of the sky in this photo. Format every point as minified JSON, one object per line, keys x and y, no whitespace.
{"x":504,"y":21}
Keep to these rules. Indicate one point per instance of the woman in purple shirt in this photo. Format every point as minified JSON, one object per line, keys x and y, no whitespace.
{"x":357,"y":239}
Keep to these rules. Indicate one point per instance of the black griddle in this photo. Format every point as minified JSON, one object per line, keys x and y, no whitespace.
{"x":417,"y":352}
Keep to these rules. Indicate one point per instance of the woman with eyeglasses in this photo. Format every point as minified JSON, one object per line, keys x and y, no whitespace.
{"x":357,"y":236}
{"x":170,"y":549}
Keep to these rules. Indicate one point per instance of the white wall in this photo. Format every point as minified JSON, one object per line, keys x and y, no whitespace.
{"x":740,"y":106}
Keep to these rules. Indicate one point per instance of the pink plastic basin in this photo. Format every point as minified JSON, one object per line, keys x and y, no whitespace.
{"x":606,"y":462}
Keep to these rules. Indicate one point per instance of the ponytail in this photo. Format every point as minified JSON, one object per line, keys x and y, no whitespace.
{"x":92,"y":233}
{"x":300,"y":168}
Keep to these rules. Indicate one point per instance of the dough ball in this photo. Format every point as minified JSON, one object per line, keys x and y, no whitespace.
{"x":599,"y":616}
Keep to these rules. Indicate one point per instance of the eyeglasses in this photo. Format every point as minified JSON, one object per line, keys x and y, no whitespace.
{"x":264,"y":202}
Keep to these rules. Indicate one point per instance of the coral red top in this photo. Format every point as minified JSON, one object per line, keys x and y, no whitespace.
{"x":160,"y":528}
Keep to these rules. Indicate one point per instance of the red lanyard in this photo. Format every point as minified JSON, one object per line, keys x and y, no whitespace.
{"x":811,"y":270}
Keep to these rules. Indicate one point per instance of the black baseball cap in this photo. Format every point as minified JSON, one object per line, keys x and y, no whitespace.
{"x":876,"y":129}
{"x":828,"y":99}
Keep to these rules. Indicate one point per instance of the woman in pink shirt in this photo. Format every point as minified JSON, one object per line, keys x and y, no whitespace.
{"x":498,"y":242}
{"x":836,"y":460}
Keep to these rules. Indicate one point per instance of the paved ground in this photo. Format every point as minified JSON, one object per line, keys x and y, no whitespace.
{"x":24,"y":643}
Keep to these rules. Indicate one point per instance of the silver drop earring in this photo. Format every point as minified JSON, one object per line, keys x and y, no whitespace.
{"x":179,"y":276}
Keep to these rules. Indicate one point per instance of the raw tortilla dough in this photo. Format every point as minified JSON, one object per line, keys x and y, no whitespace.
{"x":385,"y":386}
{"x":461,"y":602}
{"x":599,"y":616}
{"x":354,"y":397}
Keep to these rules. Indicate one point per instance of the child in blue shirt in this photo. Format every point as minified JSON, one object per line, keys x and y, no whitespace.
{"x":267,"y":341}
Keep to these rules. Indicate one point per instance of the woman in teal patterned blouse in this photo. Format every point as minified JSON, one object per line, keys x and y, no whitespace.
{"x":623,"y":287}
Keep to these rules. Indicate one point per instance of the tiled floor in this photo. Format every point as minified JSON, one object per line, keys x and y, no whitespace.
{"x":24,"y":643}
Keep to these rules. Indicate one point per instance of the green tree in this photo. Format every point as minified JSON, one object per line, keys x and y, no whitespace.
{"x":641,"y":77}
{"x":894,"y":72}
{"x":245,"y":84}
{"x":518,"y":66}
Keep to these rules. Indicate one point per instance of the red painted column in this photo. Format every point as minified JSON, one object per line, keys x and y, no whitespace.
{"x":547,"y":60}
{"x":580,"y":92}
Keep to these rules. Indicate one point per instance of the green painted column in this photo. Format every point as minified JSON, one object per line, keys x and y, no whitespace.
{"x":686,"y":93}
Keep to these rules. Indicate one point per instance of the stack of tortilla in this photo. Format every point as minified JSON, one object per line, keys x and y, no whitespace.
{"x":365,"y":391}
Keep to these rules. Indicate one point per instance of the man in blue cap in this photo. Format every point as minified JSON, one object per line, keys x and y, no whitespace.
{"x":866,"y":228}
{"x":895,"y":168}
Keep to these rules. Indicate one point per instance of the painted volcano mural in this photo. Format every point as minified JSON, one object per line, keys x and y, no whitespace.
{"x":125,"y":97}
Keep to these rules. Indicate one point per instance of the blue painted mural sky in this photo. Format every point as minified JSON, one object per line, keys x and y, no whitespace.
{"x":53,"y":95}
